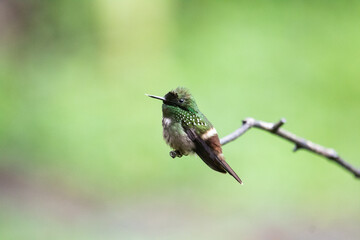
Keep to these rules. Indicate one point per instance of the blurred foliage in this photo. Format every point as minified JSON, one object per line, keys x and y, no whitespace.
{"x":75,"y":119}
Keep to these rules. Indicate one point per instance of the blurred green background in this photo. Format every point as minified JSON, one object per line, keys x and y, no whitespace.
{"x":81,"y":149}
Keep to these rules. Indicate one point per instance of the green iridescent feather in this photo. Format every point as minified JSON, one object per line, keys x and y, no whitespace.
{"x":192,"y":118}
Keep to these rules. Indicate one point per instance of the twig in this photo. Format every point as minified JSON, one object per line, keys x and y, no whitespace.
{"x":300,"y":143}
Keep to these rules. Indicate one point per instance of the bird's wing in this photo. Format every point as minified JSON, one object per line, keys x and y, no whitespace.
{"x":207,"y":154}
{"x":204,"y":151}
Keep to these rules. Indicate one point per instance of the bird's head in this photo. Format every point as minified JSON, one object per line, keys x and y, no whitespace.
{"x":180,"y":98}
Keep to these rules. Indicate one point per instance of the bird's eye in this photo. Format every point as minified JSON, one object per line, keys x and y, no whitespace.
{"x":181,"y":100}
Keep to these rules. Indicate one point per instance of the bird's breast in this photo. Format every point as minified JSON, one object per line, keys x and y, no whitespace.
{"x":176,"y":137}
{"x":166,"y":122}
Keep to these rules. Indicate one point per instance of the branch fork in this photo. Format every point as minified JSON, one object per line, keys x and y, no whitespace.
{"x":300,"y":143}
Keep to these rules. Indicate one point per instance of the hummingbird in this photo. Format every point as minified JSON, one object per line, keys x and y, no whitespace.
{"x":187,"y":130}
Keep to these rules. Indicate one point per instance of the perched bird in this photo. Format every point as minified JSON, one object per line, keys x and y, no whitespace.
{"x":187,"y":130}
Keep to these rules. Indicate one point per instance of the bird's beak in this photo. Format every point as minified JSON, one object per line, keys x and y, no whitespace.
{"x":156,"y":97}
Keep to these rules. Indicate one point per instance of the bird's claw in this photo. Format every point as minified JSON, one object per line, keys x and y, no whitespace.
{"x":175,"y":154}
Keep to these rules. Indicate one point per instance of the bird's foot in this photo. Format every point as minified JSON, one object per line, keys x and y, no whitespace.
{"x":175,"y":154}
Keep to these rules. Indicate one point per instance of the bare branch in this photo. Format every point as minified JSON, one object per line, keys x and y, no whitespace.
{"x":278,"y":125}
{"x":300,"y":143}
